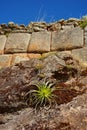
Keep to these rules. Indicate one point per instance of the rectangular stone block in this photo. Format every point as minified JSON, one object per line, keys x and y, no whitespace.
{"x":17,"y":58}
{"x":17,"y":42}
{"x":40,"y":42}
{"x":5,"y":60}
{"x":67,"y":39}
{"x":2,"y":43}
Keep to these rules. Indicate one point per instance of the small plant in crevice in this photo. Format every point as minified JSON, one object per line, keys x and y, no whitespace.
{"x":42,"y":95}
{"x":69,"y":67}
{"x":41,"y":75}
{"x":38,"y":67}
{"x":83,"y":23}
{"x":6,"y":33}
{"x":45,"y":55}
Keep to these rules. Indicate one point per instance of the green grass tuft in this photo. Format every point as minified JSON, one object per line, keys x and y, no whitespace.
{"x":83,"y":23}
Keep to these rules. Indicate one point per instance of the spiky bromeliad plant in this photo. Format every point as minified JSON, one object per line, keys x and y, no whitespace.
{"x":42,"y":95}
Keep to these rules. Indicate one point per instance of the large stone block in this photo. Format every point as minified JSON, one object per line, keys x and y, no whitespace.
{"x":17,"y":42}
{"x":2,"y":43}
{"x":80,"y":55}
{"x":5,"y":60}
{"x":17,"y":58}
{"x":67,"y":39}
{"x":40,"y":42}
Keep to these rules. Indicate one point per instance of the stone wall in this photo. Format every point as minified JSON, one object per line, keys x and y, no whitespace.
{"x":20,"y":42}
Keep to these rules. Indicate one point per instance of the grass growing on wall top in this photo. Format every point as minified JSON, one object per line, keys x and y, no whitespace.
{"x":83,"y":23}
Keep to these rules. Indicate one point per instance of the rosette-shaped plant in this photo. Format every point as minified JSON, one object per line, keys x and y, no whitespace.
{"x":42,"y":94}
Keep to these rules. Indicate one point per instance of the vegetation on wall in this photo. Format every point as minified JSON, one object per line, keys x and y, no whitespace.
{"x":83,"y":23}
{"x":42,"y":94}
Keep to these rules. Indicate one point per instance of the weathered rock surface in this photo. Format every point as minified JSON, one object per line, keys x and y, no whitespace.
{"x":40,"y":42}
{"x":80,"y":55}
{"x":54,"y":26}
{"x":85,"y":30}
{"x":70,"y":116}
{"x":68,"y":26}
{"x":2,"y":43}
{"x":65,"y":40}
{"x":16,"y":81}
{"x":5,"y":60}
{"x":17,"y":42}
{"x":18,"y":78}
{"x":18,"y":57}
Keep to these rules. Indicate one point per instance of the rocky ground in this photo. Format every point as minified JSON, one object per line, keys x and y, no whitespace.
{"x":70,"y":112}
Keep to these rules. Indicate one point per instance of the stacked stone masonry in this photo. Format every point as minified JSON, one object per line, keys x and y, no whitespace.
{"x":19,"y":42}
